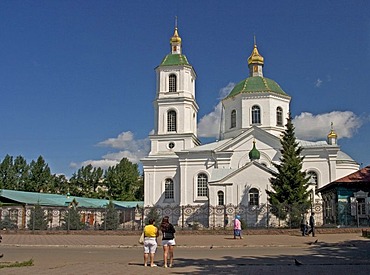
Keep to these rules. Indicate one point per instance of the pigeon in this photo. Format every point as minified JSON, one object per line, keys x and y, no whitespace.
{"x":297,"y":262}
{"x":1,"y":255}
{"x":211,"y":246}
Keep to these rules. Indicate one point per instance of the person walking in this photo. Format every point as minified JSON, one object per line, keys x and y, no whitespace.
{"x":237,"y":227}
{"x":312,"y":225}
{"x":304,"y":226}
{"x":150,"y":242}
{"x":168,"y":241}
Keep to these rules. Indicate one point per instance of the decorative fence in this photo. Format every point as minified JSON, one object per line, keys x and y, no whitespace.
{"x":185,"y":217}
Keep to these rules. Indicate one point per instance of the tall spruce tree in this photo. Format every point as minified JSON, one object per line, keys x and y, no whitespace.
{"x":289,"y":195}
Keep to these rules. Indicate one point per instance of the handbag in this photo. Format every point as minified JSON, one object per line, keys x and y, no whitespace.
{"x":168,"y":235}
{"x":141,"y":240}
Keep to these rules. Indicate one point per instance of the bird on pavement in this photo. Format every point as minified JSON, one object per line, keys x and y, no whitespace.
{"x":297,"y":262}
{"x":211,"y":246}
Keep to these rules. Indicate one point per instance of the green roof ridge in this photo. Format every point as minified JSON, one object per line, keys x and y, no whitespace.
{"x":174,"y":59}
{"x":256,"y":84}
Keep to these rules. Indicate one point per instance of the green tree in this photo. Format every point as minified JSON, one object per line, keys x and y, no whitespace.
{"x":8,"y":177}
{"x":110,"y":220}
{"x":38,"y":219}
{"x":153,"y":214}
{"x":72,"y":220}
{"x":289,"y":195}
{"x":40,"y":178}
{"x":86,"y":181}
{"x":22,"y":173}
{"x":123,"y":181}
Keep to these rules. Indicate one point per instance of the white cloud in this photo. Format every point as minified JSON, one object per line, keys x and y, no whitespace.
{"x":209,"y":125}
{"x":317,"y":127}
{"x":318,"y":83}
{"x":126,"y":146}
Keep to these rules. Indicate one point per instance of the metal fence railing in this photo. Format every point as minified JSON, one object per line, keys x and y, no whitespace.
{"x":185,"y":217}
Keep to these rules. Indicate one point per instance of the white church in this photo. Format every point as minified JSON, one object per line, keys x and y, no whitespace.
{"x":234,"y":170}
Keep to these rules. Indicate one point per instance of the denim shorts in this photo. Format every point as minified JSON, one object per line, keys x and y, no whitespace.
{"x":168,"y":242}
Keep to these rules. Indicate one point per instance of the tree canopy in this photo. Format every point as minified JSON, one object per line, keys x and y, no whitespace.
{"x":120,"y":182}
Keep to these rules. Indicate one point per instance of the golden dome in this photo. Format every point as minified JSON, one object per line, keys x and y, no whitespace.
{"x":175,"y":38}
{"x":332,"y":134}
{"x":255,"y":57}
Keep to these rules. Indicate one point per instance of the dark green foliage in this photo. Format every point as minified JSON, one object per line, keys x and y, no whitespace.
{"x":38,"y":219}
{"x":110,"y":221}
{"x":39,"y":179}
{"x":7,"y":223}
{"x":289,"y":196}
{"x":123,"y":181}
{"x":153,"y":214}
{"x":72,"y":220}
{"x":120,"y":182}
{"x":85,"y":181}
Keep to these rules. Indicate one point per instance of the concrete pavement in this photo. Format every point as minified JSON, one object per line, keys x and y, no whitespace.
{"x":194,"y":254}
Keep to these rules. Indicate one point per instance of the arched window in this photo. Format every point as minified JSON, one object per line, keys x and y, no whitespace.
{"x":256,"y":115}
{"x":233,"y":119}
{"x":221,"y":198}
{"x":168,"y":189}
{"x":202,"y":189}
{"x":313,"y":178}
{"x":279,"y":116}
{"x":172,"y":83}
{"x":171,"y":121}
{"x":254,"y":196}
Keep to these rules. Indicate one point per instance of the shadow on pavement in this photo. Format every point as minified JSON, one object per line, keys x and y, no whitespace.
{"x":344,"y":257}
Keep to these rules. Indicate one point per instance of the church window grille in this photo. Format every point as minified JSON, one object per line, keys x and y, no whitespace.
{"x":253,"y":196}
{"x":202,"y":185}
{"x":171,"y":121}
{"x":279,"y":116}
{"x":172,"y":81}
{"x":233,"y":119}
{"x":256,"y":115}
{"x":221,"y":198}
{"x":168,"y":189}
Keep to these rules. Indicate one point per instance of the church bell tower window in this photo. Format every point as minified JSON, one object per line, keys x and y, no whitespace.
{"x":171,"y":121}
{"x":172,"y":81}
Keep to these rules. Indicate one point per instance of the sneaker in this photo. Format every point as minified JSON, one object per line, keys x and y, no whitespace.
{"x":165,"y":266}
{"x":171,"y":265}
{"x":154,"y":265}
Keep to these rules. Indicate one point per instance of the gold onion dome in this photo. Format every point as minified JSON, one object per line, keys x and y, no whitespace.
{"x":255,"y":57}
{"x":175,"y":38}
{"x":332,"y":134}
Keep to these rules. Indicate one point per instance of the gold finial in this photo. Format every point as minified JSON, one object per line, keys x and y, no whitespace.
{"x":175,"y":38}
{"x":332,"y":133}
{"x":255,"y":57}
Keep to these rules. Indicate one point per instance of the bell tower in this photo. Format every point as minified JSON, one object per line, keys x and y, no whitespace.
{"x":175,"y":125}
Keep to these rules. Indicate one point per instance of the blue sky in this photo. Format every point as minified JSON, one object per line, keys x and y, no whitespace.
{"x":77,"y":78}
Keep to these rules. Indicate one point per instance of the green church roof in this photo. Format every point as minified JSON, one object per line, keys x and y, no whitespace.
{"x":175,"y":59}
{"x":256,"y":84}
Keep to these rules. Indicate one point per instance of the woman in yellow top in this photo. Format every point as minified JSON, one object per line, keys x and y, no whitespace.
{"x":150,"y":242}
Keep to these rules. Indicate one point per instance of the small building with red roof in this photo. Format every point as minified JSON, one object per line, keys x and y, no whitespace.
{"x":346,"y":201}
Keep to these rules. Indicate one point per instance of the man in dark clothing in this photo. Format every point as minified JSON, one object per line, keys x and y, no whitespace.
{"x":312,"y":225}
